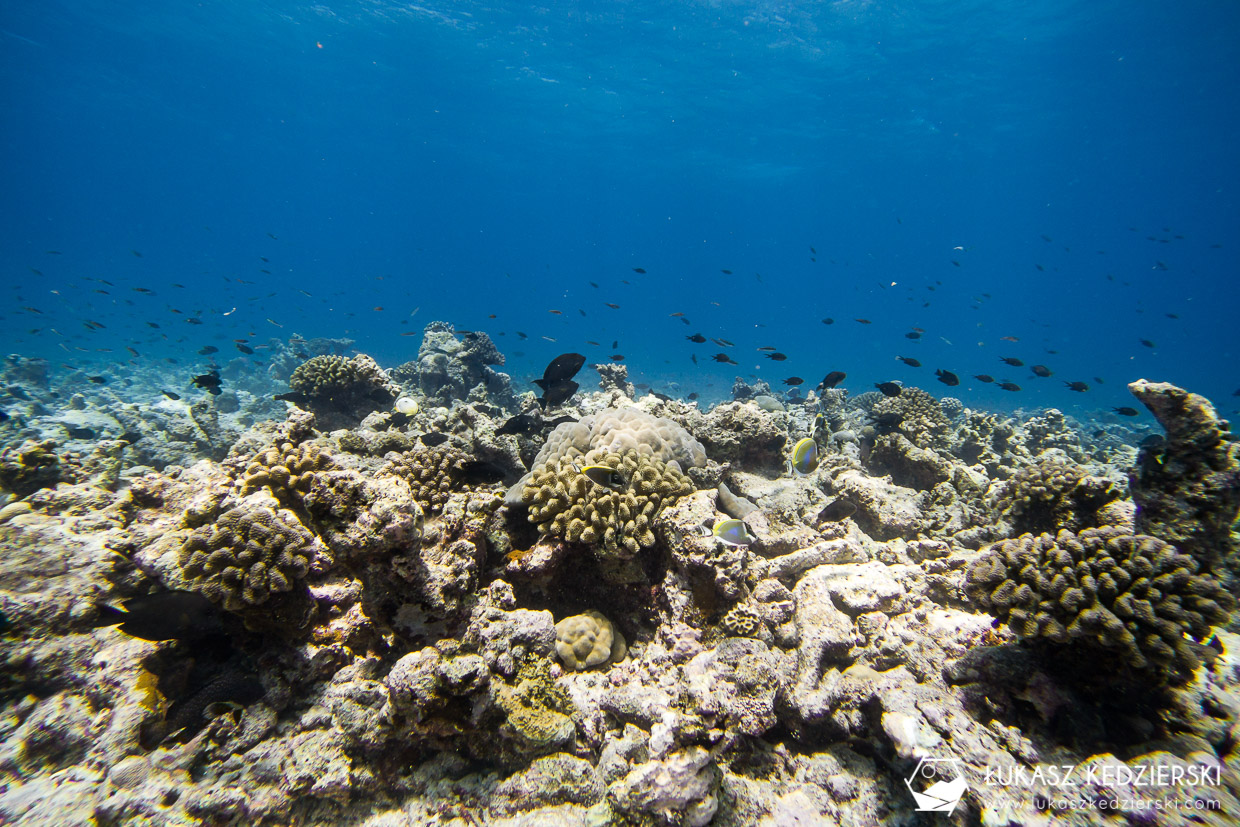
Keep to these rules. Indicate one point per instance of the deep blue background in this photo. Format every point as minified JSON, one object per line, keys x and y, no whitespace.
{"x":469,"y":159}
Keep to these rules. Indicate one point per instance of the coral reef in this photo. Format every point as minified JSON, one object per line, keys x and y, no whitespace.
{"x":432,"y":473}
{"x":450,"y":368}
{"x":1052,"y":495}
{"x":1103,"y":589}
{"x":914,"y":413}
{"x":286,"y":471}
{"x":26,"y":469}
{"x":587,"y":640}
{"x":342,"y":390}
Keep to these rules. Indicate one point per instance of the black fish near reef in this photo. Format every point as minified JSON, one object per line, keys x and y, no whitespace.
{"x":912,"y":334}
{"x":1126,"y":411}
{"x":1041,"y":370}
{"x":793,"y":380}
{"x":696,"y":338}
{"x":889,"y":388}
{"x":432,"y":439}
{"x":983,"y":377}
{"x":170,"y":615}
{"x":832,"y":379}
{"x":209,"y":382}
{"x":557,"y":392}
{"x":724,"y":358}
{"x":908,"y":360}
{"x":98,"y":380}
{"x":837,"y":510}
{"x":564,"y":366}
{"x":173,"y":396}
{"x":1079,"y":387}
{"x":1011,"y":360}
{"x":947,"y":377}
{"x":207,"y":350}
{"x":1008,"y":386}
{"x":248,"y":351}
{"x":778,"y":357}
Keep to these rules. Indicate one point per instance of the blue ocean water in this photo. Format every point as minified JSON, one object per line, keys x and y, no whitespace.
{"x":1055,"y":182}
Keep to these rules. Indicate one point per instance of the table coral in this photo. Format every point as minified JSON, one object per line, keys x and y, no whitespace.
{"x":1131,"y":595}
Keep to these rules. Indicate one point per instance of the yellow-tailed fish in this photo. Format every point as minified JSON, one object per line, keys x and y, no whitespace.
{"x":733,"y":533}
{"x":805,"y":456}
{"x":604,"y":475}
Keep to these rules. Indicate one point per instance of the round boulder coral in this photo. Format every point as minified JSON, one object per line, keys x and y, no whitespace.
{"x":587,"y":640}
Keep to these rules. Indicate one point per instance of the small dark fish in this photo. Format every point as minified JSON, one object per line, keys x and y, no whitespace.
{"x":557,"y":392}
{"x":837,"y":510}
{"x":245,"y":349}
{"x":594,"y":284}
{"x":1041,"y":370}
{"x":292,"y":396}
{"x":136,"y":253}
{"x":208,"y":350}
{"x":521,"y":424}
{"x":171,"y":615}
{"x":612,"y":306}
{"x":912,"y":334}
{"x":521,"y":335}
{"x":947,"y":377}
{"x":1148,"y":343}
{"x":1126,"y":411}
{"x":793,"y":380}
{"x":1011,"y":360}
{"x":173,"y":396}
{"x":766,"y":349}
{"x":692,"y":397}
{"x":209,"y":382}
{"x":1008,"y":386}
{"x":143,"y":290}
{"x":726,"y":272}
{"x":778,"y":357}
{"x":152,"y":324}
{"x":79,"y":433}
{"x":193,"y":320}
{"x":432,"y":439}
{"x":983,"y":377}
{"x":722,"y":342}
{"x":642,"y":386}
{"x":1098,"y":434}
{"x":616,"y":357}
{"x":556,"y":312}
{"x":98,"y":380}
{"x":639,"y":270}
{"x":889,"y":388}
{"x":696,"y":338}
{"x":564,"y":366}
{"x":863,"y":321}
{"x":724,"y":358}
{"x":1079,"y":387}
{"x":828,"y":320}
{"x":615,"y":343}
{"x":813,"y":251}
{"x":908,"y":360}
{"x":1171,"y":315}
{"x":832,"y":379}
{"x":592,"y":342}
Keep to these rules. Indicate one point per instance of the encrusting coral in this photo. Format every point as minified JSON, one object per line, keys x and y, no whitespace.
{"x":246,"y":555}
{"x":587,"y":640}
{"x":617,"y":520}
{"x":1103,"y":589}
{"x":33,"y":466}
{"x":742,"y":620}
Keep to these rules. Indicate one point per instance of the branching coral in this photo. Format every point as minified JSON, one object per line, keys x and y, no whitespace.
{"x":1131,"y":595}
{"x":617,"y":520}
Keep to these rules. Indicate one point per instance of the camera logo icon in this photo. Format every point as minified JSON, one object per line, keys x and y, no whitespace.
{"x":937,"y":785}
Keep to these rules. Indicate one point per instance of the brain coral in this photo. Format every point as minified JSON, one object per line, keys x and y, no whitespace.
{"x":1053,"y":495}
{"x":587,"y":640}
{"x":1103,"y":589}
{"x":432,"y":473}
{"x":246,"y":555}
{"x":617,"y":429}
{"x":565,"y":502}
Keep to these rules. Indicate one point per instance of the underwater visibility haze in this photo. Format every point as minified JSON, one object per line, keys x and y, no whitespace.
{"x":617,"y":412}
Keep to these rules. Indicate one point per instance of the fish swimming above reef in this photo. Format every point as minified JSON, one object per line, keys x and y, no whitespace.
{"x":1008,"y":386}
{"x":983,"y":377}
{"x":804,"y":457}
{"x":557,"y":382}
{"x":724,"y":358}
{"x":910,"y":361}
{"x":98,"y":380}
{"x":793,"y":381}
{"x":832,"y":379}
{"x":889,"y":388}
{"x":209,"y":382}
{"x":696,"y":338}
{"x":778,"y":357}
{"x":1041,"y":370}
{"x":947,"y":377}
{"x":207,"y":350}
{"x":912,"y":334}
{"x":1126,"y":411}
{"x":1079,"y":387}
{"x":1012,"y":360}
{"x":557,"y":392}
{"x":530,"y":423}
{"x":170,"y":615}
